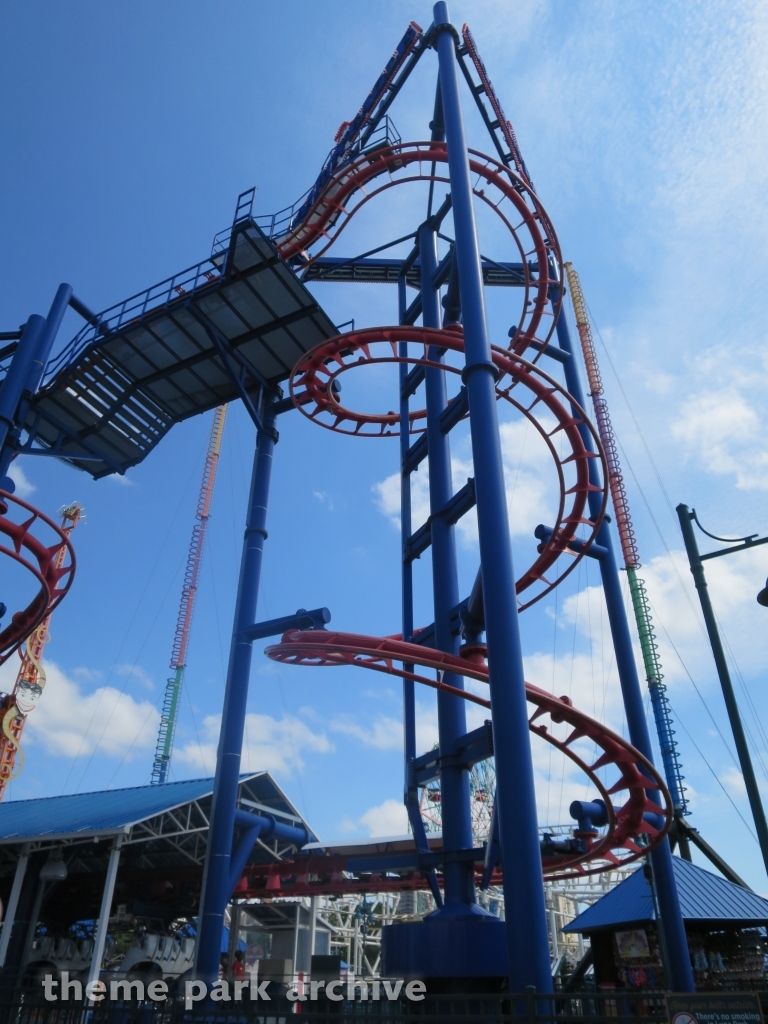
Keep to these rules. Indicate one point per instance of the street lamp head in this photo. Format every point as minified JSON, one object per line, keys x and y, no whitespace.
{"x":762,"y":597}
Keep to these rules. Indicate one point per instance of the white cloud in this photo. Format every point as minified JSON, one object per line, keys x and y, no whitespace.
{"x":24,"y":486}
{"x":386,"y":497}
{"x":325,"y":499}
{"x":136,"y":672}
{"x":724,"y":432}
{"x":589,"y":681}
{"x":733,"y":781}
{"x":733,"y":584}
{"x":88,"y":675}
{"x":121,"y":479}
{"x":69,"y":723}
{"x":270,"y":745}
{"x":386,"y":732}
{"x":383,"y":733}
{"x":387,"y":819}
{"x":346,"y":826}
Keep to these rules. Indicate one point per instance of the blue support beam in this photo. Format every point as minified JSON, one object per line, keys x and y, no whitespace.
{"x":410,"y":792}
{"x":15,"y":383}
{"x":216,"y":876}
{"x":317,"y":618}
{"x":451,"y":710}
{"x":527,"y":937}
{"x":259,"y":826}
{"x":673,"y":931}
{"x":26,"y":372}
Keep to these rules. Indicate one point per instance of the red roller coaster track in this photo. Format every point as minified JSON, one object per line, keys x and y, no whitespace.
{"x":506,"y":193}
{"x":635,"y":774}
{"x":21,"y":541}
{"x":312,"y":388}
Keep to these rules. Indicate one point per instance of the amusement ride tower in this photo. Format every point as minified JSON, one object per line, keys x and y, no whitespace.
{"x":241,"y":323}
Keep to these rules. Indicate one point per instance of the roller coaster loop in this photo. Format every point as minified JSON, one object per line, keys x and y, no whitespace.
{"x":636,"y":774}
{"x":508,"y":194}
{"x":312,"y":388}
{"x":27,"y":548}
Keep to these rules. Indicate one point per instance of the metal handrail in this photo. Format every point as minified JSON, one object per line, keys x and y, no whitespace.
{"x":173,"y":289}
{"x":190,"y":281}
{"x":275,"y":225}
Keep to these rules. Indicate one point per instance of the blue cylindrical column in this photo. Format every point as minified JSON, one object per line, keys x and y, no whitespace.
{"x":451,"y":712}
{"x":409,"y":696}
{"x":27,"y":368}
{"x":673,"y":929}
{"x":52,"y":324}
{"x":217,"y":861}
{"x":527,"y":937}
{"x":18,"y":376}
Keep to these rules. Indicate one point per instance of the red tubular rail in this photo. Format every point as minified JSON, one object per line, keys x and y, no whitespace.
{"x":508,"y":194}
{"x":312,"y":389}
{"x":53,"y":574}
{"x":635,"y":774}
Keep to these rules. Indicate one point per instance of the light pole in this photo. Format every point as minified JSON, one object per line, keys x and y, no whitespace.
{"x":687,"y":517}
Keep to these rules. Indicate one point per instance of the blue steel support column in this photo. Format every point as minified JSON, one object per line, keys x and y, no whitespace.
{"x":409,"y":697}
{"x":216,"y":890}
{"x":527,"y":937}
{"x":675,"y":941}
{"x":15,"y":382}
{"x":28,"y":366}
{"x":451,"y":712}
{"x":52,"y":324}
{"x":410,"y":793}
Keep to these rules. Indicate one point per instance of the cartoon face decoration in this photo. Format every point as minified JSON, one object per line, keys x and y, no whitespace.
{"x":27,"y":696}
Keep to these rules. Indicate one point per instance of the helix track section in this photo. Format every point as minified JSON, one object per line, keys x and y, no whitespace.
{"x":314,"y":389}
{"x":506,"y":193}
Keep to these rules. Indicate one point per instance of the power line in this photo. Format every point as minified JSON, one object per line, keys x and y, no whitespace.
{"x":716,"y":777}
{"x":660,"y":482}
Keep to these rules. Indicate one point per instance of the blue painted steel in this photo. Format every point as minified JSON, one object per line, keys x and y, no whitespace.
{"x":675,"y":942}
{"x":259,"y":826}
{"x":589,"y":814}
{"x":15,"y":382}
{"x":526,"y":924}
{"x":217,"y":862}
{"x":703,"y":897}
{"x":662,"y":717}
{"x":240,"y":854}
{"x":317,"y":618}
{"x":85,"y":311}
{"x":451,"y":711}
{"x":409,"y":698}
{"x":472,"y":947}
{"x":367,"y":116}
{"x":593,"y":550}
{"x":270,"y":826}
{"x":27,"y":368}
{"x":52,"y":324}
{"x":410,"y":790}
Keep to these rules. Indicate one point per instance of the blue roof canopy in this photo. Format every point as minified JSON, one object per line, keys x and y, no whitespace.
{"x":704,"y":898}
{"x":111,"y":811}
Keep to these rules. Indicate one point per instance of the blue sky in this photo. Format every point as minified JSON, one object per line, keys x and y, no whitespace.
{"x":129,"y":132}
